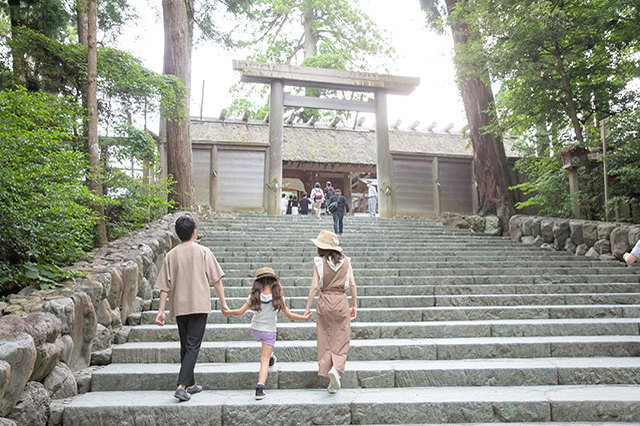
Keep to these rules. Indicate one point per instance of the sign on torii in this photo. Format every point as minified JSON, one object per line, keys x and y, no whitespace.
{"x":278,"y":76}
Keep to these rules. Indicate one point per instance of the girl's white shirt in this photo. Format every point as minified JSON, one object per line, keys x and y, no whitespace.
{"x":265,"y":319}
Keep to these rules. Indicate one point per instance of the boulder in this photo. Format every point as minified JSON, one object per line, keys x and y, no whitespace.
{"x":602,"y":246}
{"x":619,"y":240}
{"x":102,"y":357}
{"x":581,"y":249}
{"x":590,"y":233}
{"x":147,"y":255}
{"x":528,"y":239}
{"x":527,"y":226}
{"x":515,"y":227}
{"x":103,"y":313}
{"x":115,"y":291}
{"x":103,"y":338}
{"x":67,"y":344}
{"x":152,"y":276}
{"x":607,"y":257}
{"x":33,"y":406}
{"x":145,"y":291}
{"x":604,"y":230}
{"x":538,"y":241}
{"x":42,"y":327}
{"x":575,"y":226}
{"x":116,"y":322}
{"x":129,"y":289}
{"x":60,"y":383}
{"x":84,"y":330}
{"x":546,"y":230}
{"x":5,"y":376}
{"x":476,"y":224}
{"x":592,"y":253}
{"x":93,"y":289}
{"x":83,"y":378}
{"x":492,"y":225}
{"x":7,"y":422}
{"x":570,"y":246}
{"x":546,"y":246}
{"x":561,"y":232}
{"x":104,"y":278}
{"x":64,"y":309}
{"x":122,"y":335}
{"x":536,"y":226}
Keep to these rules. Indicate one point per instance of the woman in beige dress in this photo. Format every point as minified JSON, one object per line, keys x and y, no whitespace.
{"x":332,"y":273}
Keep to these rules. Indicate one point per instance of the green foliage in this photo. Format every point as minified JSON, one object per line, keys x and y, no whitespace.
{"x":131,"y":203}
{"x":139,"y":144}
{"x":48,"y":17}
{"x":42,"y":276}
{"x":43,"y":202}
{"x":125,"y":86}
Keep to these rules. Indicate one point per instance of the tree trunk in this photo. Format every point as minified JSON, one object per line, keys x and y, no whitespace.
{"x":92,"y":117}
{"x":177,"y":61}
{"x":310,"y":36}
{"x":17,"y":57}
{"x":492,"y":172}
{"x":82,"y":21}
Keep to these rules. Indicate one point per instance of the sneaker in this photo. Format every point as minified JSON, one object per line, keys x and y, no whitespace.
{"x":272,"y":360}
{"x":194,"y":389}
{"x":260,"y":392}
{"x":334,"y":379}
{"x":331,"y":389}
{"x":182,"y":394}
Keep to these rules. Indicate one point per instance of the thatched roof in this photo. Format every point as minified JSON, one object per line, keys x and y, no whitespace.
{"x":323,"y":144}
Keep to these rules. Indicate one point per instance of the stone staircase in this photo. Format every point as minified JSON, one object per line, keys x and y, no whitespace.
{"x":451,"y":328}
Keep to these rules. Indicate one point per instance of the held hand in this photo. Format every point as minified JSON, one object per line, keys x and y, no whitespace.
{"x":352,"y":312}
{"x":307,"y":316}
{"x":160,"y":318}
{"x":225,"y":309}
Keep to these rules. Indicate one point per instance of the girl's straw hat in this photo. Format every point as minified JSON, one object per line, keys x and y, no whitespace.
{"x":266,"y":272}
{"x":327,"y":240}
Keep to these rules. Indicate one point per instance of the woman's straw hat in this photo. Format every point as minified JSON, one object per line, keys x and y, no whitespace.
{"x":266,"y":272}
{"x":327,"y":240}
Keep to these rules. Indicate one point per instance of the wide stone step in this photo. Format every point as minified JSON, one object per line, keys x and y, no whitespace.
{"x":406,"y":330}
{"x":479,"y":263}
{"x":446,"y":270}
{"x":459,"y":279}
{"x":392,"y":258}
{"x":460,"y":300}
{"x":392,"y":349}
{"x":428,"y":290}
{"x":379,"y":374}
{"x":362,"y":406}
{"x":454,"y":313}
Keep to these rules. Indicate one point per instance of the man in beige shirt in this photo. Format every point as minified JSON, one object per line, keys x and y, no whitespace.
{"x":186,"y":274}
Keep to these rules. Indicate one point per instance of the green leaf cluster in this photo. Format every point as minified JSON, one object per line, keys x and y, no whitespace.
{"x":44,"y":213}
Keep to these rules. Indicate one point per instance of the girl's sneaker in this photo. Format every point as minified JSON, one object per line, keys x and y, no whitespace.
{"x":272,"y":360}
{"x":334,"y":380}
{"x":260,"y":392}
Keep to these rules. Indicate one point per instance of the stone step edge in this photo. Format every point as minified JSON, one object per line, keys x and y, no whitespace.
{"x":370,"y":405}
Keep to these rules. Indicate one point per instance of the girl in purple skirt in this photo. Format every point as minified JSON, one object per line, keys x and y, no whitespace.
{"x":266,"y":300}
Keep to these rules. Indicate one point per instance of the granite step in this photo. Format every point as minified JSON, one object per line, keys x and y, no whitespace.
{"x":379,"y":374}
{"x":362,"y":406}
{"x":392,"y":349}
{"x":459,"y":300}
{"x":406,"y":330}
{"x":454,"y":313}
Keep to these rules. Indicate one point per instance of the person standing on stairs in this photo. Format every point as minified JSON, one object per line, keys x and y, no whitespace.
{"x":332,"y":273}
{"x":185,"y":276}
{"x":337,"y":205}
{"x":316,"y":198}
{"x":266,"y":300}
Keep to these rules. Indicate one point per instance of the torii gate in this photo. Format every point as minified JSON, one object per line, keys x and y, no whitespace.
{"x":278,"y":76}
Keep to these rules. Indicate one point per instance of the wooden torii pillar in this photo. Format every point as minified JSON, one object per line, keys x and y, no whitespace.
{"x":278,"y":76}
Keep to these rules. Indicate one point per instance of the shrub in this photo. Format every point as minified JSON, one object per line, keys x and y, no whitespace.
{"x":43,"y":200}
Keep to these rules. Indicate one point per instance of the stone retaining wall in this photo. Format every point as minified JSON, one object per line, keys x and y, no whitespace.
{"x":49,"y":338}
{"x":603,"y":240}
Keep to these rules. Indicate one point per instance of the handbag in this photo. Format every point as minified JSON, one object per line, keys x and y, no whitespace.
{"x":333,"y":206}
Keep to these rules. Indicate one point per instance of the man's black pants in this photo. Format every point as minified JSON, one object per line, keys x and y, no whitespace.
{"x":191,"y":329}
{"x":337,"y":222}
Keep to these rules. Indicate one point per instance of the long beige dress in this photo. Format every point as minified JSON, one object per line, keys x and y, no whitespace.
{"x":333,"y":321}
